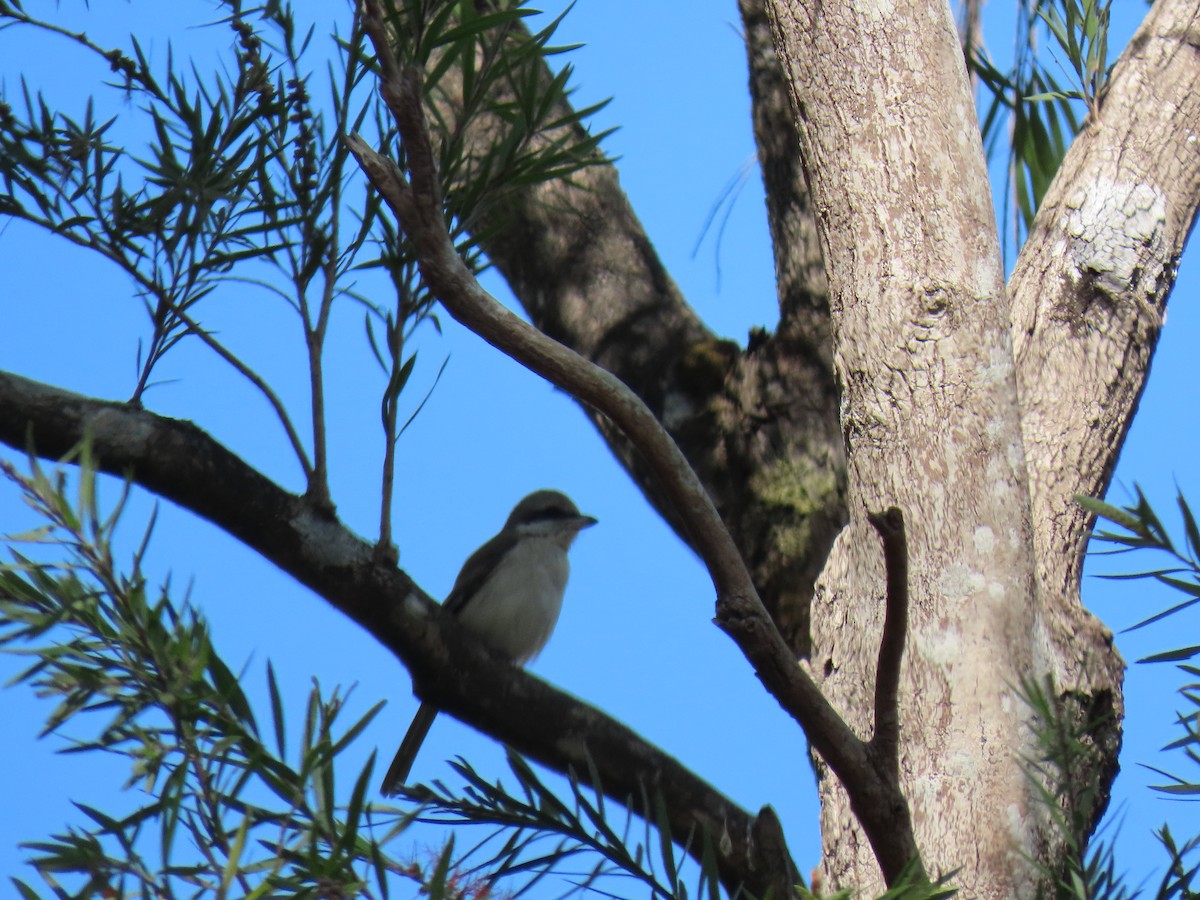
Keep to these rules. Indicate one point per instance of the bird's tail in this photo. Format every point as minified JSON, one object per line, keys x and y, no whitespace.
{"x":402,"y":763}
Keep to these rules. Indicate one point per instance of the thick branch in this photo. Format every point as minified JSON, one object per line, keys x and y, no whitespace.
{"x":930,"y":415}
{"x":799,"y":265}
{"x":1089,"y":293}
{"x":177,"y":461}
{"x":1090,"y":286}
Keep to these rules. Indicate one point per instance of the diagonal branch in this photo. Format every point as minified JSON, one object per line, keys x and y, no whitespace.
{"x":586,"y":272}
{"x":1090,"y":286}
{"x":1089,"y":294}
{"x":416,"y":201}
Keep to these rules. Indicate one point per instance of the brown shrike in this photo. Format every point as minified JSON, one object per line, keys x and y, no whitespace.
{"x":508,"y":595}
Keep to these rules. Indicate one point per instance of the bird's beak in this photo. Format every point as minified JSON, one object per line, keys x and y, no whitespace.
{"x":585,"y":522}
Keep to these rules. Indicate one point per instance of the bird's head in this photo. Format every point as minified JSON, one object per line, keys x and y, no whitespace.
{"x":548,"y":514}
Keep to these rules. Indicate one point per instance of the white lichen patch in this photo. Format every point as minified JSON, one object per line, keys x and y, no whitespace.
{"x":1016,"y":456}
{"x":957,"y":582}
{"x":985,"y":539}
{"x":961,"y":764}
{"x":1113,"y":223}
{"x":876,"y":10}
{"x":998,"y":367}
{"x":940,"y":648}
{"x":1017,"y":827}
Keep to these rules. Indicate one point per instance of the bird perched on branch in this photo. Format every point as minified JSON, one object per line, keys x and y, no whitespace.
{"x":508,"y":595}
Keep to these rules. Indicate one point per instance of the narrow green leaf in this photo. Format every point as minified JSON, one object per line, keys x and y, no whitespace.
{"x":277,"y":720}
{"x":438,"y":883}
{"x":233,"y":859}
{"x":662,"y":820}
{"x":1191,"y":531}
{"x":1121,"y":517}
{"x":1172,"y":655}
{"x":357,"y":728}
{"x":1162,"y":615}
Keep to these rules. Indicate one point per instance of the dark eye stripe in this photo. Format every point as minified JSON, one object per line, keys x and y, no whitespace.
{"x":557,"y":512}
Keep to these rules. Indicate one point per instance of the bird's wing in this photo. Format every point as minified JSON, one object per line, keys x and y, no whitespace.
{"x":475,"y":571}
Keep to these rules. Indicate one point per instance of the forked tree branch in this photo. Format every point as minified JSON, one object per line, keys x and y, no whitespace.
{"x":415,"y":198}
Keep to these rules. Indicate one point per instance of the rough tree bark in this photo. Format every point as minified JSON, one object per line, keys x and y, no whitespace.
{"x":1087,"y":299}
{"x":930,"y":415}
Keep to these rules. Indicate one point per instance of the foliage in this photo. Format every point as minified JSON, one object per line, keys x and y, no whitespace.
{"x":221,"y":807}
{"x":1039,"y":111}
{"x":245,"y":178}
{"x":240,"y":170}
{"x":1065,"y":786}
{"x":1143,"y":530}
{"x":1059,"y":774}
{"x":538,"y":834}
{"x":212,"y":781}
{"x":912,"y":885}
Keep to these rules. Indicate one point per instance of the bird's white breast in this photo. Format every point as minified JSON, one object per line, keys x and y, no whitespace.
{"x":516,"y":608}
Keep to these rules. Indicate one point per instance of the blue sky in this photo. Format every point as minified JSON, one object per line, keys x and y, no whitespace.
{"x":635,"y":637}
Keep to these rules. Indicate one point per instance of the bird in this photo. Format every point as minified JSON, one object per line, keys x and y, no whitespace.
{"x":508,"y":594}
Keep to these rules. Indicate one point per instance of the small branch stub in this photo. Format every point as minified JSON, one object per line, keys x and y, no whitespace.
{"x":886,"y":741}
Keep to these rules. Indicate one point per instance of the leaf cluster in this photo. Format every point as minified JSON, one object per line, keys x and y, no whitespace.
{"x":223,"y":810}
{"x":911,"y":885}
{"x":1063,"y":778}
{"x":1080,"y":29}
{"x":499,"y":118}
{"x":535,"y":834}
{"x":1030,"y":106}
{"x":1058,"y":772}
{"x":1142,"y":530}
{"x":244,"y":177}
{"x":232,"y":173}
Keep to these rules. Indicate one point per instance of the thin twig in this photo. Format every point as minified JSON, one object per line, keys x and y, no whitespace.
{"x":254,"y":378}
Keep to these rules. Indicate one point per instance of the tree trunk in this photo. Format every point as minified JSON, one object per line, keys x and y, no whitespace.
{"x":930,"y":407}
{"x":930,"y":415}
